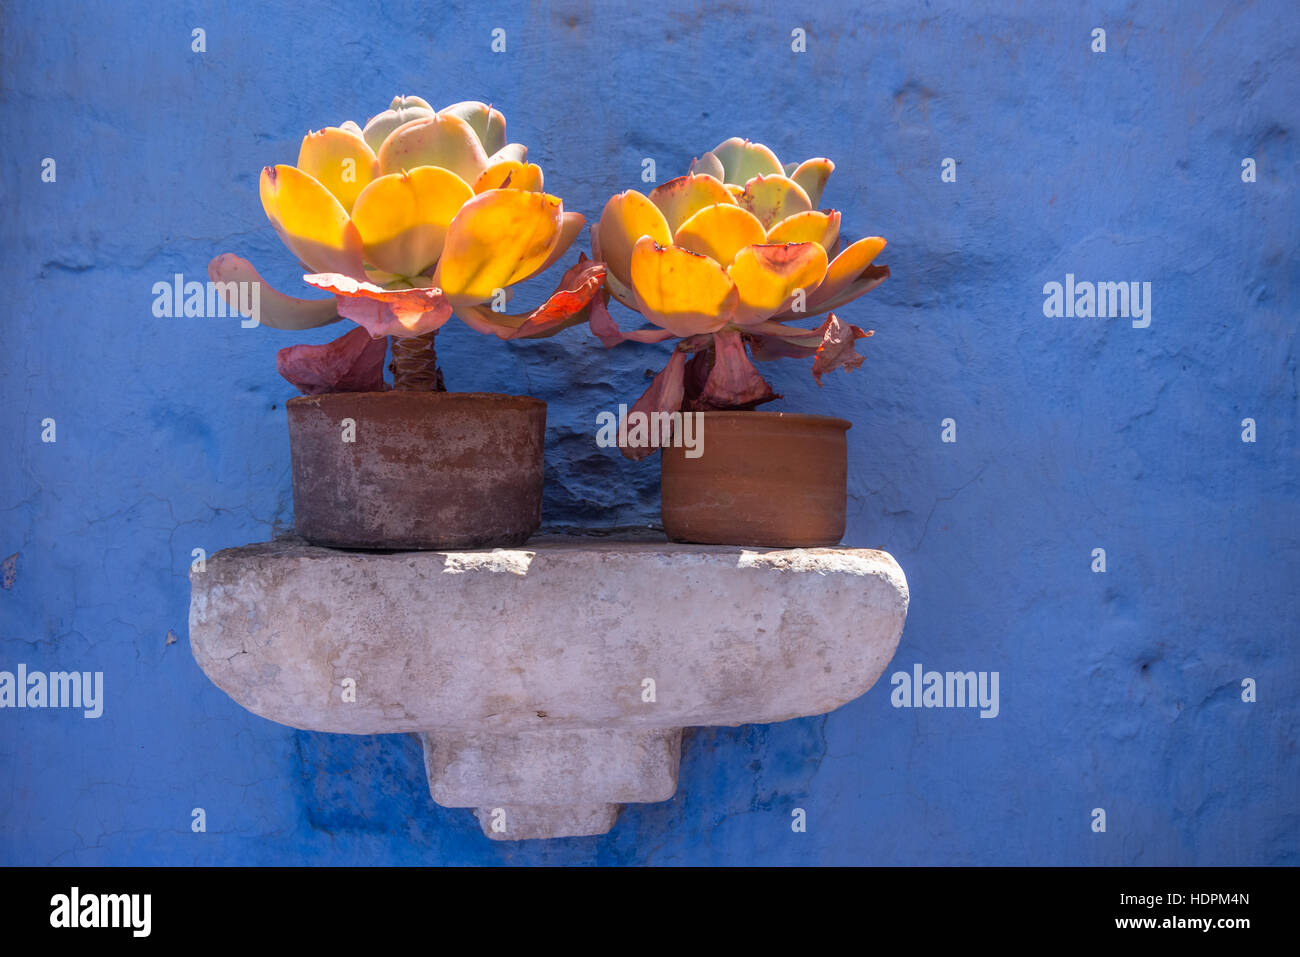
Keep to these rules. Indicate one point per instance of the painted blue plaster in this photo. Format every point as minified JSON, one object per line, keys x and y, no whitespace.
{"x":1119,"y":690}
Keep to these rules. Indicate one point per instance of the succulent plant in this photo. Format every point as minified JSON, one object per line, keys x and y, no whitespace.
{"x":725,"y":256}
{"x":416,"y":216}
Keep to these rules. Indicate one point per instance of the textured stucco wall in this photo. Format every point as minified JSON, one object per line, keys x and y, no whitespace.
{"x":1119,"y":690}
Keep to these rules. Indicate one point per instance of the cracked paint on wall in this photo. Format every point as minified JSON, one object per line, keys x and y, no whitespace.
{"x":1120,"y":689}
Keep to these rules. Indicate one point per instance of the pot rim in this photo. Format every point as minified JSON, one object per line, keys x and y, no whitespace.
{"x":476,"y":398}
{"x":794,"y":418}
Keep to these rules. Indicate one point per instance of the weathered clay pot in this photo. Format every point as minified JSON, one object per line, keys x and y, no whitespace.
{"x":764,"y":478}
{"x":425,"y":469}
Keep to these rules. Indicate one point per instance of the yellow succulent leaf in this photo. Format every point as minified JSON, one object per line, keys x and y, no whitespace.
{"x":742,"y":160}
{"x":812,"y":175}
{"x":681,"y":198}
{"x":510,"y":174}
{"x":709,"y":163}
{"x":511,"y":151}
{"x":488,"y":124}
{"x":768,"y":277}
{"x":616,"y":287}
{"x":310,"y":220}
{"x":681,"y":291}
{"x":401,"y":111}
{"x":339,"y":160}
{"x":848,"y":265}
{"x":774,"y":198}
{"x":498,"y":238}
{"x":810,"y":226}
{"x":440,"y":140}
{"x":570,"y":225}
{"x":403,"y":218}
{"x":626,"y":218}
{"x":720,"y":232}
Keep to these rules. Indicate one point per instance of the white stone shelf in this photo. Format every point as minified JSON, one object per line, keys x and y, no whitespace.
{"x":525,"y":669}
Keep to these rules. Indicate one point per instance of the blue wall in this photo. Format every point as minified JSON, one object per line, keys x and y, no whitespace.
{"x":1119,"y":690}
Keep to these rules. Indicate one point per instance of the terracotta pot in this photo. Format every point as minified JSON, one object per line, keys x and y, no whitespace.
{"x":764,"y":478}
{"x":425,"y":469}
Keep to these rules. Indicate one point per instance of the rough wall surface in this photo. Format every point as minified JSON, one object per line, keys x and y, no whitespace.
{"x":1120,"y":690}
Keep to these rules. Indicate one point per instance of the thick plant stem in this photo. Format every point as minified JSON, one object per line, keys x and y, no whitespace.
{"x":415,"y":364}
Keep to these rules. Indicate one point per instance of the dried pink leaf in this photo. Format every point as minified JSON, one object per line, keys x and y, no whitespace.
{"x":354,"y":362}
{"x":385,"y":312}
{"x":733,"y":382}
{"x":837,"y":350}
{"x":664,"y":395}
{"x":565,"y":307}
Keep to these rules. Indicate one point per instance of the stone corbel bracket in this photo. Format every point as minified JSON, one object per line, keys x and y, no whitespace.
{"x":550,"y":684}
